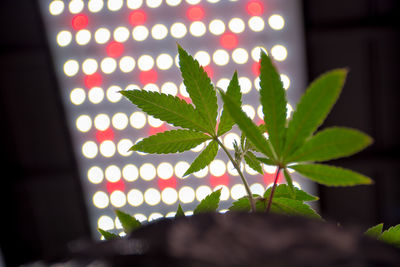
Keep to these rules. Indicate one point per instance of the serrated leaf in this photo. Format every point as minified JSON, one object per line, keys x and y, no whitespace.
{"x":171,"y":142}
{"x":375,"y":231}
{"x":128,"y":222}
{"x":199,"y":87}
{"x":313,"y":108}
{"x":107,"y":235}
{"x":391,"y":236}
{"x":243,"y":204}
{"x":252,"y":161}
{"x":266,"y":161}
{"x":331,"y":143}
{"x":273,"y":101}
{"x":331,"y":175}
{"x":289,"y":182}
{"x":167,"y":108}
{"x":293,"y":207}
{"x":247,"y":126}
{"x":283,"y":191}
{"x":179,"y":212}
{"x":209,"y":204}
{"x":226,"y":122}
{"x":204,"y":158}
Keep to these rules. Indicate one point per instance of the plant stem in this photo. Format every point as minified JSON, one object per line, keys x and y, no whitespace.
{"x":273,"y":189}
{"x":244,"y":181}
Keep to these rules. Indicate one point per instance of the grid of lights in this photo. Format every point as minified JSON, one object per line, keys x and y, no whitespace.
{"x":102,"y":47}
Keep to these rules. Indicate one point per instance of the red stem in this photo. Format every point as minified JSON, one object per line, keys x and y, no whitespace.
{"x":273,"y":189}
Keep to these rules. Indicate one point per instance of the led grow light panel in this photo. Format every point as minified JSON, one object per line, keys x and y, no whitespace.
{"x":102,"y":47}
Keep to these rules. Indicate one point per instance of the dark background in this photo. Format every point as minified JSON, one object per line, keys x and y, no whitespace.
{"x":42,"y":203}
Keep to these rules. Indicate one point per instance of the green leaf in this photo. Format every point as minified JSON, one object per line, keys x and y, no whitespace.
{"x":283,"y":191}
{"x":107,"y":235}
{"x":330,"y":175}
{"x":243,"y":204}
{"x":375,"y":231}
{"x":204,"y":159}
{"x":171,"y":142}
{"x":266,"y":161}
{"x":391,"y":236}
{"x":200,"y":89}
{"x":167,"y":108}
{"x":313,"y":108}
{"x":331,"y":143}
{"x":128,"y":222}
{"x":179,"y":212}
{"x":247,"y":126}
{"x":252,"y":161}
{"x":293,"y":207}
{"x":273,"y":101}
{"x":226,"y":122}
{"x":209,"y":204}
{"x":289,"y":182}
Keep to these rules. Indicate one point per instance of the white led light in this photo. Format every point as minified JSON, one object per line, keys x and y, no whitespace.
{"x":202,"y":191}
{"x":77,"y":96}
{"x":95,"y":6}
{"x":165,"y":170}
{"x":255,"y":52}
{"x":137,"y":120}
{"x":64,"y":38}
{"x":130,"y":172}
{"x":269,"y":169}
{"x":238,"y":191}
{"x":118,"y":199}
{"x":198,"y":148}
{"x":164,"y":61}
{"x":100,"y":200}
{"x":178,"y":30}
{"x":221,"y":57}
{"x":169,"y":88}
{"x":105,"y":223}
{"x":223,"y":84}
{"x":121,"y":34}
{"x":249,"y":110}
{"x":82,"y":37}
{"x":197,"y":28}
{"x":177,"y":60}
{"x":173,"y":2}
{"x":216,"y":27}
{"x":257,"y":189}
{"x":147,"y":172}
{"x":56,"y":7}
{"x":102,"y":35}
{"x":71,"y":67}
{"x":123,"y":147}
{"x":120,"y":121}
{"x":180,"y":169}
{"x":182,"y":90}
{"x":169,"y":196}
{"x":203,"y":58}
{"x":193,"y":2}
{"x":285,"y":80}
{"x":201,"y":173}
{"x":154,"y":122}
{"x":89,"y":149}
{"x":257,"y":83}
{"x":95,"y":175}
{"x":108,"y":65}
{"x":112,"y":173}
{"x":140,"y":217}
{"x":89,"y":66}
{"x":135,"y":197}
{"x":289,"y":110}
{"x":189,"y":213}
{"x":217,"y":167}
{"x":134,"y":4}
{"x":279,"y":52}
{"x":102,"y":122}
{"x":256,"y":24}
{"x":245,"y":85}
{"x":276,"y":22}
{"x":153,"y":3}
{"x":159,"y":31}
{"x":127,"y":64}
{"x":224,"y":192}
{"x":170,"y":214}
{"x":155,"y":216}
{"x":107,"y":148}
{"x":152,"y":196}
{"x":240,"y":55}
{"x":140,"y":33}
{"x":250,"y":170}
{"x":232,"y":170}
{"x":260,"y":112}
{"x":236,"y":25}
{"x":145,"y":63}
{"x":76,"y":6}
{"x":113,"y":94}
{"x":186,"y":194}
{"x":83,"y":123}
{"x":96,"y":95}
{"x":229,"y":140}
{"x":213,"y":1}
{"x":151,"y":87}
{"x":114,"y":5}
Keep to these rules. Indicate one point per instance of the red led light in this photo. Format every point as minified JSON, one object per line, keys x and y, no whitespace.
{"x":256,"y":68}
{"x":102,"y":136}
{"x":80,"y":22}
{"x":146,"y":77}
{"x":195,"y":13}
{"x":137,"y":17}
{"x":93,"y":80}
{"x":119,"y":185}
{"x":221,"y":180}
{"x":269,"y":178}
{"x":255,"y":8}
{"x":187,"y":99}
{"x":229,"y":40}
{"x":115,"y":49}
{"x":156,"y":130}
{"x":162,"y":184}
{"x":209,"y":71}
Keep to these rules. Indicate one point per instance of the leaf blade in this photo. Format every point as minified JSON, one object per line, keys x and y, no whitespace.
{"x":209,"y":204}
{"x":391,"y":236}
{"x":252,"y":161}
{"x":283,"y":191}
{"x":375,"y":231}
{"x":107,"y":235}
{"x":128,"y":222}
{"x":293,"y":207}
{"x":204,"y":159}
{"x":179,"y":212}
